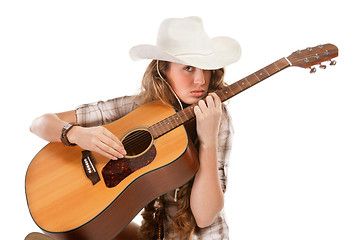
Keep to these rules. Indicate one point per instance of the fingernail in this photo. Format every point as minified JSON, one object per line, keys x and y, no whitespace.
{"x":123,"y":151}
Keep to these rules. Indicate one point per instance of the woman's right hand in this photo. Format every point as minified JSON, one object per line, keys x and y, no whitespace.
{"x":97,"y":139}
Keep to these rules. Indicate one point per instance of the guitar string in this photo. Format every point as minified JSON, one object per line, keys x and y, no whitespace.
{"x":133,"y":145}
{"x":164,"y":126}
{"x":139,"y":134}
{"x":160,"y":125}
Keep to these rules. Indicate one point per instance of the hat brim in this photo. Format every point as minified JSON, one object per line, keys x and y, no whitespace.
{"x":225,"y":52}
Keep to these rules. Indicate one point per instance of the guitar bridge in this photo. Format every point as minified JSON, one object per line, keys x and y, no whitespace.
{"x":89,"y":167}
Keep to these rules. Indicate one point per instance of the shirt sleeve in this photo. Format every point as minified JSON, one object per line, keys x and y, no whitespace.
{"x":104,"y":112}
{"x":226,"y":132}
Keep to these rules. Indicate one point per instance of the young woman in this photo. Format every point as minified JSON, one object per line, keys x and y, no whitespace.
{"x":187,"y":67}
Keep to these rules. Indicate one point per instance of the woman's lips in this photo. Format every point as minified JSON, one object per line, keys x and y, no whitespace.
{"x":198,"y":93}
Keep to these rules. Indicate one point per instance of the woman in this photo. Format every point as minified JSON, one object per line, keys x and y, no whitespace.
{"x":187,"y":68}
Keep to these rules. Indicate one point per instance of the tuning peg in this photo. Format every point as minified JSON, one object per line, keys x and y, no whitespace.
{"x":322,"y":66}
{"x":312,"y":70}
{"x":332,"y":62}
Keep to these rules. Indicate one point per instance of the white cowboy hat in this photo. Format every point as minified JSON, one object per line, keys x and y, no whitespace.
{"x":184,"y":40}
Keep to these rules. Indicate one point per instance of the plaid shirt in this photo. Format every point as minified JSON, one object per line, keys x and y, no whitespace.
{"x":100,"y":113}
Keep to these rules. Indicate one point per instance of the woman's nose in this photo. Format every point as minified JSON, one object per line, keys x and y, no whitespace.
{"x":199,"y":77}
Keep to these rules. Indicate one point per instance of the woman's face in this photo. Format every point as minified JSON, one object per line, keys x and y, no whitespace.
{"x":189,"y":83}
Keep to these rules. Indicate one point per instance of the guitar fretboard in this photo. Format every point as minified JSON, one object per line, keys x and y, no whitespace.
{"x":160,"y":128}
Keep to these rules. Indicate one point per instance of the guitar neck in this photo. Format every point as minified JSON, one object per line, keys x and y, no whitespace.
{"x":251,"y":80}
{"x":179,"y":118}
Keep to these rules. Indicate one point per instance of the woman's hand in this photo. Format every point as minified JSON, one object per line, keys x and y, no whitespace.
{"x":208,"y":114}
{"x":207,"y":198}
{"x":97,"y":139}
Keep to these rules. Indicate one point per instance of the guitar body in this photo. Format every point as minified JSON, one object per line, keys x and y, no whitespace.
{"x":68,"y":204}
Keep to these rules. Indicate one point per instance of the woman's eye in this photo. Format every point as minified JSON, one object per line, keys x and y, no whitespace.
{"x":189,"y":68}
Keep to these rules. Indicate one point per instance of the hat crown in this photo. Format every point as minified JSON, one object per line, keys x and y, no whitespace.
{"x":179,"y":36}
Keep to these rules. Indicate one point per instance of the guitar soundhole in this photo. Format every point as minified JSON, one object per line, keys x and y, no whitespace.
{"x":140,"y":152}
{"x":137,"y":142}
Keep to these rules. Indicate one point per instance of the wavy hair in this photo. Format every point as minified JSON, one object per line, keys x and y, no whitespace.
{"x":184,"y":225}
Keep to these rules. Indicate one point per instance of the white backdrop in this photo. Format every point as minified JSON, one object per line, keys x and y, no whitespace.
{"x":294,"y":170}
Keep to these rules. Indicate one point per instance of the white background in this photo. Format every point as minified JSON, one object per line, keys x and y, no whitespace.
{"x":294,"y":171}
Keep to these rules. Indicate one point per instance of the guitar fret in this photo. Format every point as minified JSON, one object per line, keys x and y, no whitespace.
{"x":180,"y":118}
{"x":164,"y":126}
{"x":187,"y":118}
{"x":223,"y":95}
{"x":284,"y":63}
{"x":257,"y":77}
{"x":262,"y":74}
{"x":160,"y":127}
{"x":192,"y":111}
{"x":238,"y":83}
{"x":253,"y":79}
{"x":231,"y":90}
{"x":267,"y":72}
{"x":271,"y":69}
{"x":169,"y":121}
{"x":236,"y":87}
{"x":248,"y":82}
{"x":276,"y":66}
{"x":154,"y":131}
{"x":227,"y":91}
{"x":189,"y":114}
{"x":176,"y":118}
{"x":160,"y":130}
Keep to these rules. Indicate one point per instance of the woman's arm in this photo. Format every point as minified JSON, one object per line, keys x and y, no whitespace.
{"x":207,"y":198}
{"x":98,"y":139}
{"x":49,"y":126}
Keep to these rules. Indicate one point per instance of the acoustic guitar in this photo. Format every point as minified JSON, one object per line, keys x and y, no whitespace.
{"x":73,"y":193}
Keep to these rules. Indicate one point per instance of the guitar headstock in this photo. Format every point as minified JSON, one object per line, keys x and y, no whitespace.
{"x":309,"y":57}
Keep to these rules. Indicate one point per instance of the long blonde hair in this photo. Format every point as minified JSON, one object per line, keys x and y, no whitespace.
{"x":154,"y":88}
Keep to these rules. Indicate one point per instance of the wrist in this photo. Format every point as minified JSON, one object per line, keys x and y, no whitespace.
{"x":72,"y":134}
{"x":66,"y":136}
{"x":209,"y":143}
{"x":208,"y":155}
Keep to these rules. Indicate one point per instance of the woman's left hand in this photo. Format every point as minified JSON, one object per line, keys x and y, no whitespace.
{"x":208,"y":114}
